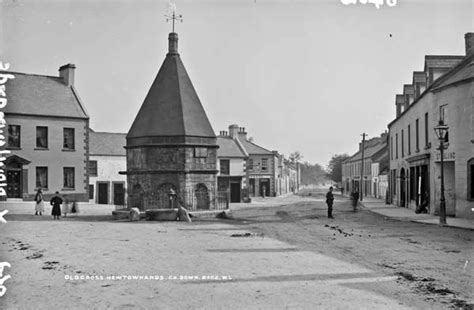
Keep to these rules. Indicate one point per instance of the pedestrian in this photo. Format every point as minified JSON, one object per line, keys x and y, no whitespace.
{"x":329,"y":201}
{"x":342,"y":191}
{"x":39,"y":206}
{"x":56,"y":202}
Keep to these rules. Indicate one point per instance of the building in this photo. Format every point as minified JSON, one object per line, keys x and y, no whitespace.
{"x":171,"y":146}
{"x":375,"y":157}
{"x":443,"y":91}
{"x":48,"y":136}
{"x":231,"y":164}
{"x":107,"y":157}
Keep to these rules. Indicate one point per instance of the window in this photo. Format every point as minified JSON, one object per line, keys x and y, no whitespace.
{"x":417,"y":135}
{"x":41,"y":177}
{"x":396,"y":145}
{"x":42,"y":137}
{"x":68,"y":177}
{"x":92,"y":168}
{"x":470,"y":179}
{"x":443,"y":115}
{"x":68,"y":143}
{"x":426,"y":131}
{"x":14,"y":133}
{"x":409,"y":139}
{"x":391,"y":147}
{"x":91,"y":191}
{"x":264,"y":164}
{"x":403,"y":144}
{"x":225,"y":166}
{"x":200,"y":152}
{"x":250,"y":167}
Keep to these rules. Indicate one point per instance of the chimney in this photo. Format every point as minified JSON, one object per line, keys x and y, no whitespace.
{"x":242,"y":133}
{"x":66,"y":72}
{"x":234,"y":131}
{"x":469,"y":39}
{"x":173,"y":44}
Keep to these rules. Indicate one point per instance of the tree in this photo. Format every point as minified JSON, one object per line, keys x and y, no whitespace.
{"x":335,"y":167}
{"x":312,"y":174}
{"x":295,"y":156}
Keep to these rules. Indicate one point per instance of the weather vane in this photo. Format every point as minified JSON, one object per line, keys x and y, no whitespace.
{"x":171,"y":14}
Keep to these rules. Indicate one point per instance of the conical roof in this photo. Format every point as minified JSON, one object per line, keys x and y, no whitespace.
{"x":172,"y":107}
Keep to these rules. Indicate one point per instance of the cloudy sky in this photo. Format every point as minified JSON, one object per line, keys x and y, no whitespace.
{"x":306,"y":76}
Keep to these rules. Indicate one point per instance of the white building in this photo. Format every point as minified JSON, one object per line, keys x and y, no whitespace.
{"x":106,"y":159}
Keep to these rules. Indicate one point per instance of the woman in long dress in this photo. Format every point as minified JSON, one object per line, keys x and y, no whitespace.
{"x":39,"y":206}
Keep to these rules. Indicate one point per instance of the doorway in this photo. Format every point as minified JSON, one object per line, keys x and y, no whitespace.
{"x":402,"y":187}
{"x":264,"y":187}
{"x":234,"y":192}
{"x":103,"y":193}
{"x":119,"y":194}
{"x":14,"y":183}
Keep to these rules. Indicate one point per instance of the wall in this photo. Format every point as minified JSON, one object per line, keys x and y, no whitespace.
{"x":55,"y":158}
{"x":108,"y":168}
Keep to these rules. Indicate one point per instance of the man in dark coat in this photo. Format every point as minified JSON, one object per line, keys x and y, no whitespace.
{"x":329,"y":201}
{"x":56,"y":202}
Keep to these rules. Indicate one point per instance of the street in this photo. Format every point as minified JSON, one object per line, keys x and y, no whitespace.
{"x":433,"y":262}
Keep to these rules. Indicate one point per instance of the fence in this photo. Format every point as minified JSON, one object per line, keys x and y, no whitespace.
{"x":192,"y":200}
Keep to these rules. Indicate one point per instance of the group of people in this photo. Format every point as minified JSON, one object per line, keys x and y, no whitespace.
{"x":330,"y":200}
{"x":55,"y":201}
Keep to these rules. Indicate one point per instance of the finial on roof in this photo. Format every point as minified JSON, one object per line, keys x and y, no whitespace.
{"x":171,"y":14}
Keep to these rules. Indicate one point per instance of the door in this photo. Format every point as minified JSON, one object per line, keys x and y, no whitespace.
{"x":202,"y":197}
{"x":14,"y":183}
{"x":103,"y":193}
{"x":265,"y":188}
{"x":119,"y":194}
{"x":234,"y":192}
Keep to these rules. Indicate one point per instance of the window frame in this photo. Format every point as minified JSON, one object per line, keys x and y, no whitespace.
{"x":65,"y":179}
{"x":89,"y":168}
{"x":264,"y":167}
{"x":10,"y":135}
{"x":225,"y":165}
{"x":65,"y":147}
{"x":37,"y":177}
{"x":38,"y":138}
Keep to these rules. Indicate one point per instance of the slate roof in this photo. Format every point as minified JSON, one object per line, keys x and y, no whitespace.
{"x":171,"y":107}
{"x":253,"y":149}
{"x":107,"y":143}
{"x":463,"y":71}
{"x":229,"y":147}
{"x":42,"y":95}
{"x":372,"y":147}
{"x":441,"y":61}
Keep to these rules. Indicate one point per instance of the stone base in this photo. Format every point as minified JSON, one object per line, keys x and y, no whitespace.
{"x":161,"y":214}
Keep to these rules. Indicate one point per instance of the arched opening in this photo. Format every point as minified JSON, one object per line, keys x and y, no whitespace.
{"x":201,"y":194}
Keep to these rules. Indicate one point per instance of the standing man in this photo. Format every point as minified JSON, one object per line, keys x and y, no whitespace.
{"x":329,"y":201}
{"x":56,"y":202}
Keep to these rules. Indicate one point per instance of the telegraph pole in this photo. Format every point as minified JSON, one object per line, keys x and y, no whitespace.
{"x":362,"y":168}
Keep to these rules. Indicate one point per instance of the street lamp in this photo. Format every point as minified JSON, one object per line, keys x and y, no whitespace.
{"x":441,"y":129}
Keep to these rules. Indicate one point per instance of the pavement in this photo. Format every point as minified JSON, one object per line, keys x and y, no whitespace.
{"x":405,"y":214}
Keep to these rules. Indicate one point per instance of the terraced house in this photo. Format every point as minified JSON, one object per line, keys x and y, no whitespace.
{"x":47,"y":136}
{"x":441,"y":92}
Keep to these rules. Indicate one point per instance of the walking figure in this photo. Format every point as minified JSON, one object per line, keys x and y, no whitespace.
{"x":56,"y":202}
{"x":39,"y":206}
{"x":329,"y":201}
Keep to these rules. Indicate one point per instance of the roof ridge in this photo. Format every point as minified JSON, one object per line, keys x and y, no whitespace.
{"x":31,"y":74}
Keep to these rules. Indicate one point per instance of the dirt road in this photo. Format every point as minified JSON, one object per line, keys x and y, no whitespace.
{"x":435,"y":263}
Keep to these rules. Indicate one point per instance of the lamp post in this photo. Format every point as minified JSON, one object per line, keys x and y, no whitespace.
{"x":441,"y":129}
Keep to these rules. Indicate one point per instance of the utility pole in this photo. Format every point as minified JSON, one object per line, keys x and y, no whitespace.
{"x":362,"y":168}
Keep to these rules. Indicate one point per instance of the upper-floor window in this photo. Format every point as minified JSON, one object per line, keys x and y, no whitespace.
{"x":396,"y":145}
{"x":409,"y":139}
{"x":250,"y":164}
{"x":403,"y":144}
{"x":42,"y":177}
{"x":426,"y":131}
{"x":225,"y":166}
{"x":42,"y":137}
{"x":417,"y":135}
{"x":68,"y":177}
{"x":264,"y":164}
{"x":14,"y":134}
{"x":92,"y":168}
{"x":68,"y":142}
{"x":391,"y":147}
{"x":443,"y":115}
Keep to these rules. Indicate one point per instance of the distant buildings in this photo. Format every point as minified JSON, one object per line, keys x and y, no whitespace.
{"x":375,"y":167}
{"x":442,"y":91}
{"x":48,"y":136}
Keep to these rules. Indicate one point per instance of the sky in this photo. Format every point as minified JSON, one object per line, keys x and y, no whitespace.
{"x":307,"y":76}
